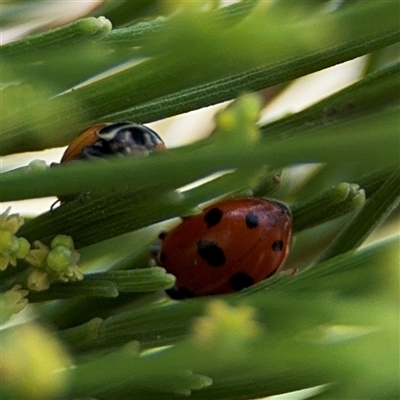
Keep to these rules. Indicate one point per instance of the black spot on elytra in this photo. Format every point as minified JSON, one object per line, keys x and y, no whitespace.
{"x":251,"y":220}
{"x":213,"y":217}
{"x":181,"y":293}
{"x":277,"y":245}
{"x":240,"y":280}
{"x":211,"y":253}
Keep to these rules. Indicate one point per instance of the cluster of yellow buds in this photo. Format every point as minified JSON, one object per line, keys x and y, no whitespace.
{"x":11,"y":246}
{"x":57,"y":262}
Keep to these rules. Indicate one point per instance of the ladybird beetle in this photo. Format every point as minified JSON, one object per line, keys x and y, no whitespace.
{"x":126,"y":138}
{"x":229,"y":246}
{"x":107,"y":139}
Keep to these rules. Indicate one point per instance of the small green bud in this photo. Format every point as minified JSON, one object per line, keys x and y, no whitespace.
{"x":37,"y":165}
{"x":59,"y":263}
{"x":225,"y":120}
{"x":249,"y":107}
{"x":59,"y":258}
{"x":359,"y":199}
{"x":63,"y":240}
{"x":236,"y":123}
{"x":341,"y":190}
{"x":23,"y":248}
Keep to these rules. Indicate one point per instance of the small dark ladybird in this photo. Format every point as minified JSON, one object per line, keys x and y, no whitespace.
{"x":101,"y":140}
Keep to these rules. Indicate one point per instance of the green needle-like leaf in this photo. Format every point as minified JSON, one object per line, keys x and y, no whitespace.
{"x":98,"y":288}
{"x":374,"y":212}
{"x":75,"y":32}
{"x":376,"y":91}
{"x":174,"y":317}
{"x":373,"y":143}
{"x":333,"y":203}
{"x":138,"y":280}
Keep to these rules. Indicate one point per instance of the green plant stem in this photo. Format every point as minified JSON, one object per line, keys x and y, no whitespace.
{"x":374,"y":92}
{"x":128,"y":210}
{"x":100,"y":288}
{"x":311,"y":358}
{"x":137,"y":280}
{"x":134,"y":35}
{"x":170,"y":322}
{"x":230,"y":184}
{"x":371,"y":182}
{"x":184,"y":165}
{"x":86,"y":332}
{"x":124,"y":12}
{"x":332,"y":203}
{"x":70,"y":313}
{"x":236,"y":11}
{"x":68,"y":35}
{"x":374,"y":212}
{"x":142,"y":324}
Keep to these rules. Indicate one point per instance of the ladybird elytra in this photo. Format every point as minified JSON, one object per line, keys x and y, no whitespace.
{"x":87,"y":138}
{"x":229,"y":246}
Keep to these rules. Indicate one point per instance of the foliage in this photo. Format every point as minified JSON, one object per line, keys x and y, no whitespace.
{"x":333,"y":324}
